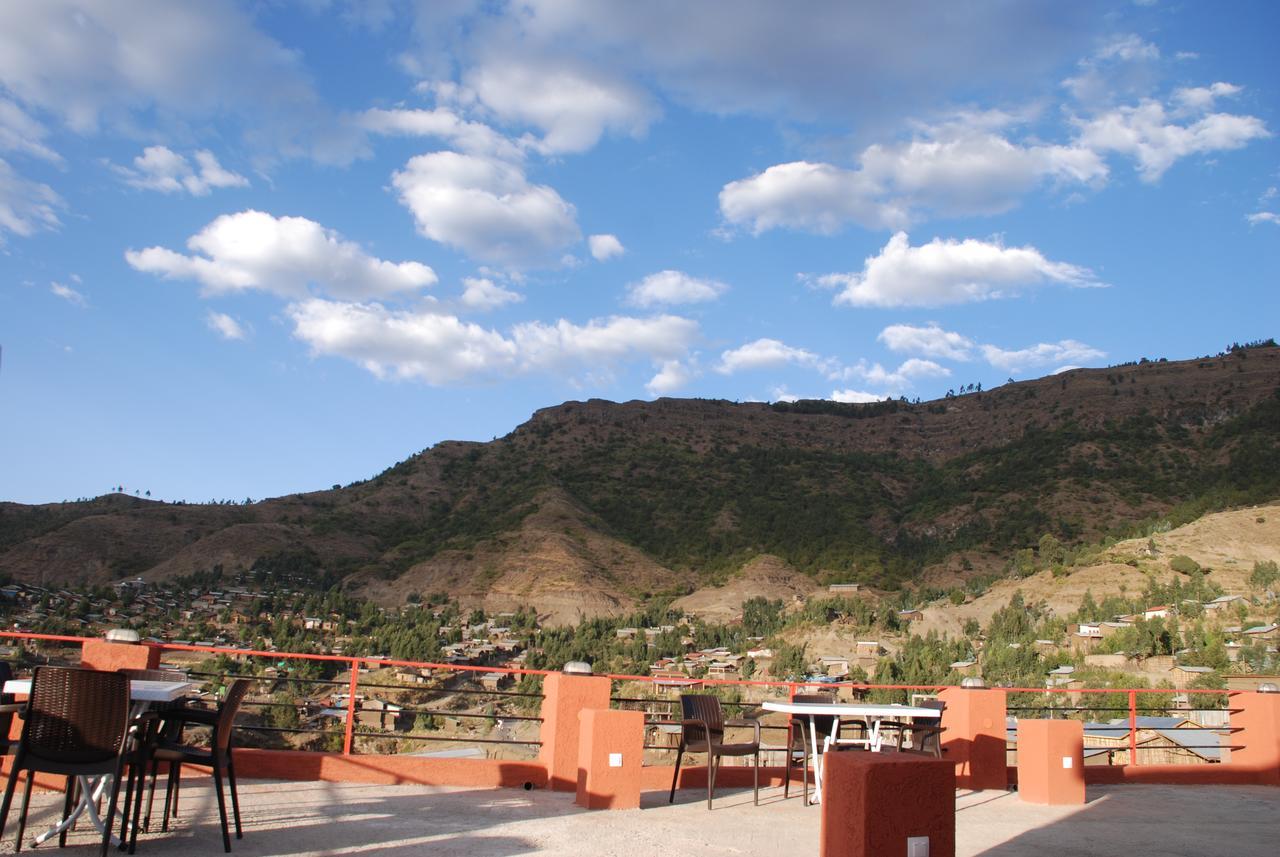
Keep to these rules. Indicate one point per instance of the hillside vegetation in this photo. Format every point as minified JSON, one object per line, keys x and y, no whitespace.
{"x":594,"y":508}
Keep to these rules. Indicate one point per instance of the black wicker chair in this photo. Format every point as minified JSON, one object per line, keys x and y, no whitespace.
{"x":77,"y":724}
{"x":702,"y":731}
{"x":218,"y":757}
{"x":921,"y":736}
{"x":799,"y":738}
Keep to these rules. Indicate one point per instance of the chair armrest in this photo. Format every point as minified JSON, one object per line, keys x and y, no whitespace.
{"x":744,"y":721}
{"x":18,"y":708}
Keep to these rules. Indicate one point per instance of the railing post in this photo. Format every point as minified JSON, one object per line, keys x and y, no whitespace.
{"x":349,"y":738}
{"x":1133,"y":727}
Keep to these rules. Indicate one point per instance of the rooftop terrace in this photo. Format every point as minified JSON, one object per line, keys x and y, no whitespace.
{"x":319,"y":818}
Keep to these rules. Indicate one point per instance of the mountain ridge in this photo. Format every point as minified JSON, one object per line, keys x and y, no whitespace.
{"x":593,"y":507}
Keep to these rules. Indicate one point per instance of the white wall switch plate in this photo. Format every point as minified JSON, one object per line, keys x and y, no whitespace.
{"x":615,"y":760}
{"x":917,"y":846}
{"x":1067,"y":762}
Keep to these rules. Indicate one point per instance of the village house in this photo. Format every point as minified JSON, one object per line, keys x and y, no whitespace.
{"x":495,"y":681}
{"x":1184,"y":675}
{"x":1223,"y":601}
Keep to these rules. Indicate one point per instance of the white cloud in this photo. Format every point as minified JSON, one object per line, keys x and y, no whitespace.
{"x":1124,"y":66}
{"x":949,"y":272}
{"x":605,"y":247}
{"x":672,"y":376}
{"x":461,"y":134}
{"x":484,"y":294}
{"x":95,"y":64}
{"x":287,"y":256}
{"x":25,"y":206}
{"x":602,"y":342}
{"x":440,"y":349}
{"x":572,"y":106}
{"x":1263,"y":217}
{"x":958,"y":168}
{"x":68,"y":294}
{"x":896,"y":380}
{"x":486,"y":208}
{"x":432,"y":347}
{"x":803,"y":195}
{"x":225,"y":326}
{"x":20,"y":133}
{"x":1042,"y":354}
{"x":762,"y":354}
{"x":1201,"y":98}
{"x":931,"y":341}
{"x":762,"y":58}
{"x":673,"y":287}
{"x":1151,"y":136}
{"x":162,"y":169}
{"x":856,"y":396}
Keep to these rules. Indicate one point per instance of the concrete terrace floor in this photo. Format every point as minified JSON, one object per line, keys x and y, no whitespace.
{"x":315,"y":818}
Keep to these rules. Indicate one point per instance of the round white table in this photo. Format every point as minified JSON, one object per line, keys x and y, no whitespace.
{"x":874,"y":714}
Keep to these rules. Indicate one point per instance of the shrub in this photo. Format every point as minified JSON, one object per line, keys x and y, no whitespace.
{"x":1184,"y":564}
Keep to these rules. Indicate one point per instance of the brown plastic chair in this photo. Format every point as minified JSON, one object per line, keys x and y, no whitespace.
{"x":218,"y":757}
{"x":77,"y":724}
{"x":921,"y":736}
{"x":798,"y":738}
{"x":702,"y":731}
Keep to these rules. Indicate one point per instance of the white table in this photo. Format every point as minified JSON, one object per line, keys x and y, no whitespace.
{"x":872,"y":713}
{"x":143,"y":693}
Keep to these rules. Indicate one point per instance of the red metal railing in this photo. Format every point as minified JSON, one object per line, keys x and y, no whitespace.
{"x":780,"y":688}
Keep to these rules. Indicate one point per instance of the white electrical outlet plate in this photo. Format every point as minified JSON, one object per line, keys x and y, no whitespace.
{"x":1067,"y":762}
{"x":917,"y":846}
{"x":615,"y":760}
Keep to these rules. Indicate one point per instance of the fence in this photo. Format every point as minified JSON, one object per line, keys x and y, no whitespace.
{"x":514,"y":723}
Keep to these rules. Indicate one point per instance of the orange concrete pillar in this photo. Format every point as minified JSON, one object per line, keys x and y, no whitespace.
{"x":973,"y":736}
{"x":564,"y":697}
{"x":101,"y":655}
{"x":610,"y":753}
{"x":874,"y":804}
{"x":1051,"y":761}
{"x":1256,"y":719}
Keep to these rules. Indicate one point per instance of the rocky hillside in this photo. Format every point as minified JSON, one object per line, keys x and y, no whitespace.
{"x":590,"y":507}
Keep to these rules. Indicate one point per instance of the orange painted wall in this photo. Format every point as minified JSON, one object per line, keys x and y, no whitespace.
{"x":606,"y":733}
{"x":387,"y":770}
{"x":1257,"y":717}
{"x":564,"y":697}
{"x":974,"y":738}
{"x":101,"y":655}
{"x":871,"y":803}
{"x":1051,"y":761}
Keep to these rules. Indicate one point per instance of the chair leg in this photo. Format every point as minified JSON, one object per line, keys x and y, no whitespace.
{"x":22,"y":818}
{"x":68,"y":800}
{"x":170,"y":781}
{"x":235,"y":798}
{"x":675,"y":776}
{"x":712,"y":767}
{"x":222,"y":805}
{"x":8,"y":796}
{"x":804,"y":772}
{"x":151,"y":796}
{"x":110,"y":817}
{"x":755,"y":779}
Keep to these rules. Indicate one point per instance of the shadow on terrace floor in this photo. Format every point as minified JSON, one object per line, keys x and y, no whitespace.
{"x":1134,"y":820}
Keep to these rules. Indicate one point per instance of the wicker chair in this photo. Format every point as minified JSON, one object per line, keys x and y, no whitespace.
{"x":77,"y":724}
{"x":799,"y":739}
{"x":162,"y":719}
{"x":218,"y":757}
{"x":921,"y":736}
{"x":702,"y":731}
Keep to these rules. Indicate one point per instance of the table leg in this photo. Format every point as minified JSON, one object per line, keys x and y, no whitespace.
{"x":817,"y":759}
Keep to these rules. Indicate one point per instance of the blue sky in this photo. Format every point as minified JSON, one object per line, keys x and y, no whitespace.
{"x":248,"y":249}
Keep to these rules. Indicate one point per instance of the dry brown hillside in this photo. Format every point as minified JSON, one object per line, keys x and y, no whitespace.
{"x":1225,"y":543}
